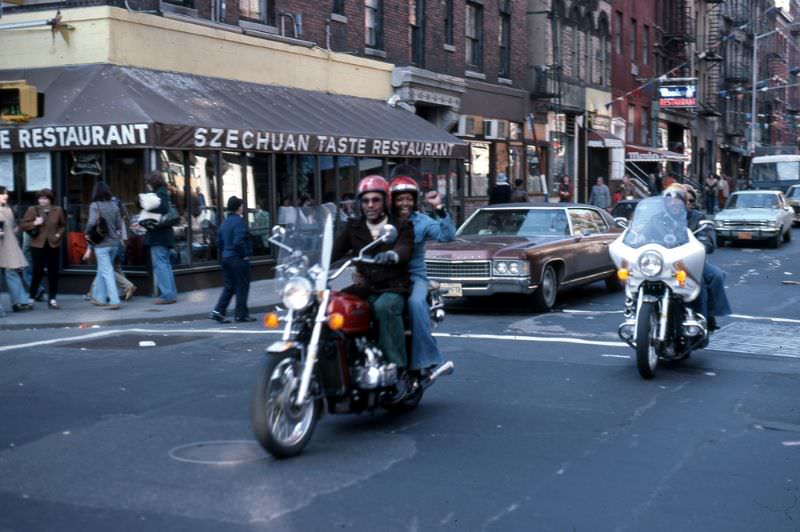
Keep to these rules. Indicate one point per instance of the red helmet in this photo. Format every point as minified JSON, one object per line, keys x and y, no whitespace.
{"x":373,"y":183}
{"x":404,"y":184}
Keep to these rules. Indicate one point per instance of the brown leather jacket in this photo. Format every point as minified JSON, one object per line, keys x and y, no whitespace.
{"x":51,"y":231}
{"x":378,"y":278}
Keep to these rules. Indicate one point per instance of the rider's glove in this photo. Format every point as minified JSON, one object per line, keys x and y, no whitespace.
{"x":386,"y":257}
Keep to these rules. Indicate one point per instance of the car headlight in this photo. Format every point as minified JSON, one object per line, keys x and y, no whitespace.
{"x":297,"y":293}
{"x":651,"y":263}
{"x":772,"y":223}
{"x":514,"y":268}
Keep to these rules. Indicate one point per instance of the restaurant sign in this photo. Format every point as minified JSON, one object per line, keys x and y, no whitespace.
{"x":62,"y":137}
{"x":677,"y":96}
{"x":269,"y":141}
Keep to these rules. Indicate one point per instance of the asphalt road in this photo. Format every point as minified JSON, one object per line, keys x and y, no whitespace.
{"x":545,"y":425}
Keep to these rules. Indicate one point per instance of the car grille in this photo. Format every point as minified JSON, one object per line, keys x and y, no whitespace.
{"x":445,"y":269}
{"x":728,"y":224}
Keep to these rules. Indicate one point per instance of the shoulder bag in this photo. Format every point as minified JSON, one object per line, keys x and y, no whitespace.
{"x":99,"y":231}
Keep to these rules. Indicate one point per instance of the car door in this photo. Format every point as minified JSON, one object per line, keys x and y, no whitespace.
{"x":787,"y":213}
{"x":592,"y":239}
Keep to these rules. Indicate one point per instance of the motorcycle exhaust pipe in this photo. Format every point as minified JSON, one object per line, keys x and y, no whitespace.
{"x":445,"y":369}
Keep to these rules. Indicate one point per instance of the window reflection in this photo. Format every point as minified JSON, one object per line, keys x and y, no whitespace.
{"x":204,"y":224}
{"x":173,"y":168}
{"x":259,"y":216}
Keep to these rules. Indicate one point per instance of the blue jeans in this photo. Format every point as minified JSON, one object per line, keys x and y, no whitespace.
{"x":388,"y":309}
{"x":16,"y":292}
{"x":162,"y":273}
{"x":105,"y":286}
{"x":424,"y":351}
{"x":236,"y":276}
{"x":712,"y":301}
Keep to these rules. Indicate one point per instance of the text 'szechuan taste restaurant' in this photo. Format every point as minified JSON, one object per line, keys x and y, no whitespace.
{"x":212,"y":138}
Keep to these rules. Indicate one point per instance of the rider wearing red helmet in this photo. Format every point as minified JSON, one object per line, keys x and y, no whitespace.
{"x":404,"y":193}
{"x":385,"y":284}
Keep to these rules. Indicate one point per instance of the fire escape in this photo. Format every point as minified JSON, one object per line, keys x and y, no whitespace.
{"x":677,"y":33}
{"x":709,"y":101}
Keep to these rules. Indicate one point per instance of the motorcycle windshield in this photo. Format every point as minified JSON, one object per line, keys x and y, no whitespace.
{"x":658,"y":220}
{"x":309,"y":236}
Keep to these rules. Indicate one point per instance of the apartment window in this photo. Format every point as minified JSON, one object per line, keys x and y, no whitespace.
{"x":504,"y":39}
{"x":448,"y":23}
{"x":618,"y":32}
{"x":416,"y":27}
{"x":587,"y":56}
{"x":646,"y":45}
{"x":474,"y":36}
{"x":576,"y":53}
{"x":338,"y":7}
{"x":183,"y":3}
{"x":629,"y":130}
{"x":644,"y":127}
{"x":257,"y":11}
{"x":373,"y":23}
{"x":632,"y":43}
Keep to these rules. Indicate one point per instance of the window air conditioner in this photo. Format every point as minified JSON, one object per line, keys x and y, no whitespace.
{"x":467,"y":126}
{"x":495,"y":129}
{"x":634,"y":69}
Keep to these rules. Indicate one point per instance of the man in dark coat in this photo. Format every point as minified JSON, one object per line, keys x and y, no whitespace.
{"x":501,"y":191}
{"x":386,"y":283}
{"x":234,"y":243}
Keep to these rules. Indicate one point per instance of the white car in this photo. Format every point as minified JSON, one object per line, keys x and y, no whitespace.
{"x":755,"y":215}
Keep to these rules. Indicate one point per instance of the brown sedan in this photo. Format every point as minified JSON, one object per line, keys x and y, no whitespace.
{"x":533,"y":249}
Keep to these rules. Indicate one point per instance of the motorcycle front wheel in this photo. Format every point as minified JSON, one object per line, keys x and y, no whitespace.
{"x":646,"y":329}
{"x":282,"y":428}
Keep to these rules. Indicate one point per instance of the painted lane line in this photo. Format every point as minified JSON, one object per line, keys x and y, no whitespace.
{"x":777,"y":320}
{"x":544,"y":339}
{"x":616,"y":356}
{"x":99,"y":334}
{"x":578,"y":311}
{"x":791,"y":443}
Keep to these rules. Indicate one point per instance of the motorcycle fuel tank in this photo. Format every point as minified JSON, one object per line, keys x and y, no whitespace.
{"x":356,"y":311}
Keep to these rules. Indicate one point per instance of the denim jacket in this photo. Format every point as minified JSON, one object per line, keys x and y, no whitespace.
{"x":426,"y":228}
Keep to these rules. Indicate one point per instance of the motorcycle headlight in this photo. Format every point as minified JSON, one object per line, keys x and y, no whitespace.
{"x":297,"y":293}
{"x":651,"y":263}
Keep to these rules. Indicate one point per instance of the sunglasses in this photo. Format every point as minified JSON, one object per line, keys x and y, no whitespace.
{"x":371,"y":200}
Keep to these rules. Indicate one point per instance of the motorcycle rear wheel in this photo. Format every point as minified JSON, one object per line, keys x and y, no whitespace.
{"x":282,"y":428}
{"x":646,"y":353}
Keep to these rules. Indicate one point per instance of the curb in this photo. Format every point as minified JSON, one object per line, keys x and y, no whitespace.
{"x":127,"y":321}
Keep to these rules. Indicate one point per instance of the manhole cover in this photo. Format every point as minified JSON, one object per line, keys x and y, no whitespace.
{"x":131,"y":341}
{"x":228,"y":452}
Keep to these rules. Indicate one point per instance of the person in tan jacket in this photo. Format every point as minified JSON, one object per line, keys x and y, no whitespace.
{"x":11,"y":256}
{"x":45,"y":223}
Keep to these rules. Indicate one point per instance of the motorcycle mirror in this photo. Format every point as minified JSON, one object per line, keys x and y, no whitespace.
{"x":278,"y":232}
{"x":621,"y":222}
{"x":388,"y":234}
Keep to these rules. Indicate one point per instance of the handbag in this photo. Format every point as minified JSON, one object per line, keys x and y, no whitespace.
{"x":99,"y":231}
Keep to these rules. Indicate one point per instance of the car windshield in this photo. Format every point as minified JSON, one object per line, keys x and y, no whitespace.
{"x":752,"y":201}
{"x":658,"y":220}
{"x":793,"y":193}
{"x":517,"y":222}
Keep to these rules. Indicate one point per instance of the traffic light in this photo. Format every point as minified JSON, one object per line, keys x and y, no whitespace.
{"x":19,"y":101}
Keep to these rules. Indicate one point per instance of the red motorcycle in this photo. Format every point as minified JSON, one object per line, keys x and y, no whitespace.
{"x":328,"y":357}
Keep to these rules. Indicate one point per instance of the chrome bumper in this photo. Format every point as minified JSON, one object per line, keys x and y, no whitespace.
{"x":488,"y":287}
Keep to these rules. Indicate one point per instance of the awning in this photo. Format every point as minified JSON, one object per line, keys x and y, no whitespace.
{"x":647,"y":154}
{"x":603,"y":139}
{"x":108,"y":106}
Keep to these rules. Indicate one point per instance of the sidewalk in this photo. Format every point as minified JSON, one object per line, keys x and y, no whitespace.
{"x":75,"y":312}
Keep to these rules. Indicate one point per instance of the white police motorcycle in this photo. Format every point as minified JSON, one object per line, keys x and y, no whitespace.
{"x":661,"y":262}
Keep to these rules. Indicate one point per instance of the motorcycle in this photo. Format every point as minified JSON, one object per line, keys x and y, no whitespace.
{"x":327,"y":357}
{"x":661,"y":262}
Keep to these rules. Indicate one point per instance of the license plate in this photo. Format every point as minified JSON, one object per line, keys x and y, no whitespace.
{"x":451,"y":289}
{"x":744,"y":236}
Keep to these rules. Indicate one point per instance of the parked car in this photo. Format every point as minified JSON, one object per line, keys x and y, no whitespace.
{"x":624,"y":208}
{"x":755,"y":215}
{"x":793,"y":199}
{"x":533,"y":249}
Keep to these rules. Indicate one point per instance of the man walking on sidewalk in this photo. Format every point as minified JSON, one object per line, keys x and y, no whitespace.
{"x":234,"y":243}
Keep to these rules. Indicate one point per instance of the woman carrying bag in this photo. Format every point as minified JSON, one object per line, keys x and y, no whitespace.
{"x":45,"y":223}
{"x":11,"y":256}
{"x":104,"y":233}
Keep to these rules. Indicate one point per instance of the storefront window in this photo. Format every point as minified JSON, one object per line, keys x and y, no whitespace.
{"x":83,"y":169}
{"x":204,"y":226}
{"x":306,"y":185}
{"x":259,"y":210}
{"x":173,"y":168}
{"x":348,"y":183}
{"x":284,"y":179}
{"x":479,"y":169}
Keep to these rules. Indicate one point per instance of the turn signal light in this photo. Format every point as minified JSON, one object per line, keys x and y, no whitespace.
{"x":680,"y":276}
{"x":335,"y":321}
{"x":622,"y":274}
{"x":271,"y":320}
